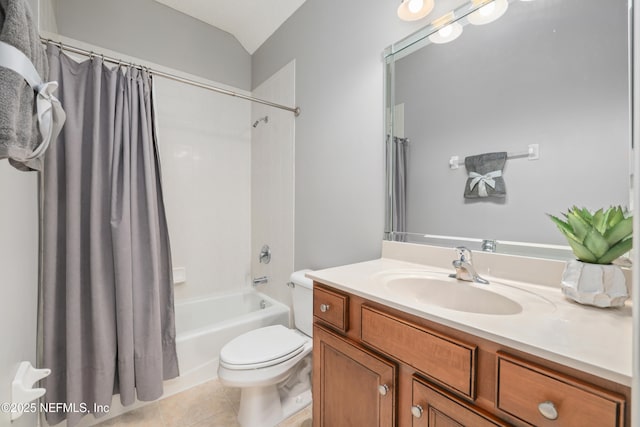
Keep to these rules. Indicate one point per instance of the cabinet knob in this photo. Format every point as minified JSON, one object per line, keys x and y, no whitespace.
{"x":324,"y":307}
{"x":383,"y":389}
{"x":416,"y":411}
{"x":548,"y":410}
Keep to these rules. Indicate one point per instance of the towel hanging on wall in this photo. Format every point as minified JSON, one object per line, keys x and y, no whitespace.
{"x":485,"y":175}
{"x":25,"y":129}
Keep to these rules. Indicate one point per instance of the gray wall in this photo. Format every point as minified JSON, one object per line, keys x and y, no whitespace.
{"x":154,"y":32}
{"x":19,"y":285}
{"x":539,"y":75}
{"x":339,"y":165}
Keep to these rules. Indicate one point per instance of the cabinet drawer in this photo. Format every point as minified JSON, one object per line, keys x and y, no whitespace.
{"x":434,"y":408}
{"x":331,"y":307}
{"x":448,"y":362}
{"x":523,"y":386}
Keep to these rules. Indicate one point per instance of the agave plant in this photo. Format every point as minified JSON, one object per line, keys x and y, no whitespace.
{"x":597,"y":238}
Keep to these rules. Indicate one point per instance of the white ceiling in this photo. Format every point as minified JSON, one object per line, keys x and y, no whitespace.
{"x":250,"y":21}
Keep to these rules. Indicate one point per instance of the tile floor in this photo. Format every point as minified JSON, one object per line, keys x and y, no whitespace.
{"x":208,"y":405}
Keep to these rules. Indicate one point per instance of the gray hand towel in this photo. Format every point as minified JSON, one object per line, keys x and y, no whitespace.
{"x":485,"y":175}
{"x":19,"y":134}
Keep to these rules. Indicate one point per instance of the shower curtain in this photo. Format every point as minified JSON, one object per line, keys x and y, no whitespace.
{"x":107,"y":296}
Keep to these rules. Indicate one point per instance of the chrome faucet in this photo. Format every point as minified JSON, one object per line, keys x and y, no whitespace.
{"x":464,"y":268}
{"x":260,"y":281}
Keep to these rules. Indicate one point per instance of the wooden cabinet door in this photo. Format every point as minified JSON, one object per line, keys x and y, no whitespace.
{"x":352,"y":387}
{"x":434,"y":408}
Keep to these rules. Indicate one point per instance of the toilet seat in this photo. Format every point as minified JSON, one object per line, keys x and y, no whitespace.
{"x":261,"y":348}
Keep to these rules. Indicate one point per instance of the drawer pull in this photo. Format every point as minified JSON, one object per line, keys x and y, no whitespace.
{"x":324,"y":307}
{"x":416,"y":411}
{"x":548,"y":410}
{"x":383,"y":389}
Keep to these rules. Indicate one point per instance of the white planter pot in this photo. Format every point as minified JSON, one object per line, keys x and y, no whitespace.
{"x":594,"y":284}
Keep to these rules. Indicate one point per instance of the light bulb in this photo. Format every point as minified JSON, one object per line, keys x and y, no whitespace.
{"x":446,"y":31}
{"x":415,"y":5}
{"x":412,"y":10}
{"x":488,"y":9}
{"x":489,"y":12}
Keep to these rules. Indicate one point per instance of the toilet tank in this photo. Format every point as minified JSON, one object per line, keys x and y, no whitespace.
{"x":302,"y":302}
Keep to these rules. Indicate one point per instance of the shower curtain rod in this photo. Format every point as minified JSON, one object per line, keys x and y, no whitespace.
{"x":63,"y":47}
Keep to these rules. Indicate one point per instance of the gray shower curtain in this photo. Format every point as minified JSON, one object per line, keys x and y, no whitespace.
{"x":107,"y":296}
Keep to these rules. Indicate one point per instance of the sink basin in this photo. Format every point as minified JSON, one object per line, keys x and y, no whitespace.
{"x":454,"y":295}
{"x":439,"y":290}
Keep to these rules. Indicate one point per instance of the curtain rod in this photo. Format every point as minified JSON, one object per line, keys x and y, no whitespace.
{"x":63,"y":47}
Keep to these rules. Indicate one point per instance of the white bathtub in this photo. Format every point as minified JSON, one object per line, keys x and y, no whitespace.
{"x":205,"y":325}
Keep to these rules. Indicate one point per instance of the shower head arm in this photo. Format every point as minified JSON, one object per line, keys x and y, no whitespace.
{"x":261,"y":119}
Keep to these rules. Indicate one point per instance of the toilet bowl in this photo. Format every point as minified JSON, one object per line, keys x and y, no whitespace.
{"x":272,"y":365}
{"x":262,"y":357}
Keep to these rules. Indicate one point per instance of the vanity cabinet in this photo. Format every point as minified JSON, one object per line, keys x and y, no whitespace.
{"x":542,"y":397}
{"x":332,"y":308}
{"x":354,"y":387}
{"x":443,"y":360}
{"x":378,"y":366}
{"x":433,"y":408}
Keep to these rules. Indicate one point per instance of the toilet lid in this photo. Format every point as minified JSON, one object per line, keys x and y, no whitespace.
{"x":262,"y":347}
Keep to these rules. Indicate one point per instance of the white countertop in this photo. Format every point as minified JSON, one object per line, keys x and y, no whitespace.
{"x":594,"y":340}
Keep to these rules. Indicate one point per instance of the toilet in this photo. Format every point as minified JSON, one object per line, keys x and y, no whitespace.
{"x":272,"y":365}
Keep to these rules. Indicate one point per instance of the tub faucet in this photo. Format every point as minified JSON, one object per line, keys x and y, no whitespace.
{"x":260,"y":281}
{"x":464,"y":268}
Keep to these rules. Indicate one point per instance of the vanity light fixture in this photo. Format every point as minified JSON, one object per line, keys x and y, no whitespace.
{"x":446,"y":34}
{"x":448,"y":30}
{"x":489,"y":12}
{"x":412,"y":10}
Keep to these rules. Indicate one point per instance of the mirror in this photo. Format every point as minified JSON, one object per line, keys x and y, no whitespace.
{"x":547,"y":84}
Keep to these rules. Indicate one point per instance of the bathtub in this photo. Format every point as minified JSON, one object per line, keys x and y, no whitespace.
{"x":205,"y":325}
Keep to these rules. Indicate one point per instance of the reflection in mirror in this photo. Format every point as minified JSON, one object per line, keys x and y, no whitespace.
{"x":549,"y":75}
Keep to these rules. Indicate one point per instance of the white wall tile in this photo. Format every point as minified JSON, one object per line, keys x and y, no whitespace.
{"x":205,"y":141}
{"x":272,"y":182}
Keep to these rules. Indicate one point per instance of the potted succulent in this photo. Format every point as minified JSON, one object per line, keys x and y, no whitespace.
{"x":597,"y":239}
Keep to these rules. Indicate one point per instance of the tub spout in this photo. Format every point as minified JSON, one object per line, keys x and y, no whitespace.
{"x":260,"y":281}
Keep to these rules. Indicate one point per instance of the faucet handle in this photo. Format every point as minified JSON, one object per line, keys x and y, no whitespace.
{"x":265,"y":255}
{"x":464,"y":253}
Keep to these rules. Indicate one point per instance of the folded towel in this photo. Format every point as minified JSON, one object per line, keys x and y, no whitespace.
{"x":19,"y":131}
{"x":485,"y":175}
